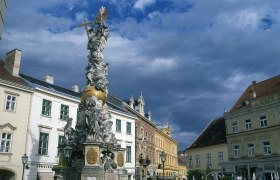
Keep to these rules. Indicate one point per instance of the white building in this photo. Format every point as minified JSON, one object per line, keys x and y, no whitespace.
{"x":15,"y":96}
{"x":124,"y":129}
{"x":50,"y":106}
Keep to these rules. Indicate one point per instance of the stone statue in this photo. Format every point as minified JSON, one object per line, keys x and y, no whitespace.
{"x":93,"y":120}
{"x":142,"y":145}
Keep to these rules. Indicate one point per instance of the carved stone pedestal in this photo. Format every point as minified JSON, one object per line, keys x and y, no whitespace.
{"x":102,"y":161}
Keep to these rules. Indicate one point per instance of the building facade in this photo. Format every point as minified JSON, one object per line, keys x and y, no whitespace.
{"x":124,"y":129}
{"x":182,"y":167}
{"x":3,"y":7}
{"x":253,"y":131}
{"x":15,"y":96}
{"x":144,"y":129}
{"x":209,"y":150}
{"x":51,"y":105}
{"x":164,"y":142}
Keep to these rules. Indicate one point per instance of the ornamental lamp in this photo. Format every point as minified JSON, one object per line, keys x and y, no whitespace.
{"x":163,"y":156}
{"x":24,"y":159}
{"x":67,"y":151}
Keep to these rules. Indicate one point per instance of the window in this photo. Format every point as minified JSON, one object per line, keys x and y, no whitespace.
{"x":46,"y":107}
{"x":128,"y":153}
{"x":61,"y":140}
{"x":248,"y":124}
{"x":236,"y":151}
{"x":128,"y":128}
{"x":251,"y":150}
{"x":118,"y":125}
{"x":263,"y":121}
{"x":5,"y":142}
{"x":10,"y":103}
{"x":190,"y":161}
{"x":64,"y":112}
{"x":128,"y":177}
{"x":266,"y":148}
{"x":234,"y":127}
{"x":208,"y":159}
{"x":43,"y":143}
{"x":220,"y":157}
{"x":197,"y":160}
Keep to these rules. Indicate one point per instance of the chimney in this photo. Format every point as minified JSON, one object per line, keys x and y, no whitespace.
{"x":12,"y":61}
{"x":75,"y":88}
{"x":49,"y":79}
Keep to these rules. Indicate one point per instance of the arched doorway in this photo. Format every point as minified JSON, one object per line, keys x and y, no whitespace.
{"x":7,"y":175}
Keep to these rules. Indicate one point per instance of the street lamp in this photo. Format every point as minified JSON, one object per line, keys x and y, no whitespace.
{"x":163,"y":158}
{"x":67,"y":153}
{"x":24,"y":159}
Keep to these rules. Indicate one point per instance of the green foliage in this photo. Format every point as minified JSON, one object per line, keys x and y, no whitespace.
{"x":197,"y":174}
{"x":226,"y":178}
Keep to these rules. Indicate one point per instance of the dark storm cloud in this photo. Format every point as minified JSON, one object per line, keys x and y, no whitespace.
{"x":191,"y":59}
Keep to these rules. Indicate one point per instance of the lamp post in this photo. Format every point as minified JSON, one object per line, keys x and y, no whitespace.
{"x":24,"y":159}
{"x":67,"y":153}
{"x":144,"y":162}
{"x":163,"y":158}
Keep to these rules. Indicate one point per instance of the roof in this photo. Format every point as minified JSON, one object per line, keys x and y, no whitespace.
{"x":7,"y":76}
{"x":182,"y":160}
{"x":116,"y":104}
{"x":213,"y":134}
{"x":263,"y":88}
{"x":51,"y":86}
{"x":112,"y":102}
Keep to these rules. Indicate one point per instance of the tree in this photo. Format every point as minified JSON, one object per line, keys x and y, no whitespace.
{"x":197,"y":174}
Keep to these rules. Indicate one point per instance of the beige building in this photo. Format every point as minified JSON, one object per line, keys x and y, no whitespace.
{"x":253,"y":132}
{"x":164,"y":142}
{"x":209,"y":150}
{"x":15,"y":96}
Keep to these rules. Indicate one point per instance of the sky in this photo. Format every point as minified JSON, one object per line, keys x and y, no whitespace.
{"x":191,"y":59}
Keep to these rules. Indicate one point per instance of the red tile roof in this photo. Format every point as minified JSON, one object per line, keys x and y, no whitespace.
{"x":263,"y":88}
{"x":5,"y":75}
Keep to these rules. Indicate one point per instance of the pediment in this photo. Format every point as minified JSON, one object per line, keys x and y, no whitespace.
{"x":8,"y":125}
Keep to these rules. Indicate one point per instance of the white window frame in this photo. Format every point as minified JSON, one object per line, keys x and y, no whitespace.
{"x":197,"y":160}
{"x":234,"y":127}
{"x":190,"y":161}
{"x":250,"y":150}
{"x":263,"y":122}
{"x":11,"y":102}
{"x":128,"y":160}
{"x":267,"y":150}
{"x":40,"y":153}
{"x":5,"y":140}
{"x":221,"y":157}
{"x":46,"y":109}
{"x":248,"y":125}
{"x":236,"y":152}
{"x":64,"y":112}
{"x":208,"y":158}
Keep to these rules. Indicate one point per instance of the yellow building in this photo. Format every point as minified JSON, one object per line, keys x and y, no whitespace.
{"x":253,"y":132}
{"x":182,"y":167}
{"x":15,"y":96}
{"x":209,"y":150}
{"x":164,"y":142}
